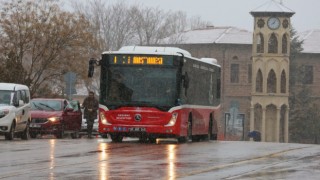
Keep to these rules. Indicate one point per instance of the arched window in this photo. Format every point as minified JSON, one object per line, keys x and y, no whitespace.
{"x":272,"y":82}
{"x":260,"y":43}
{"x":259,"y":81}
{"x":283,"y":82}
{"x":273,"y":44}
{"x":234,"y":76}
{"x":284,"y":44}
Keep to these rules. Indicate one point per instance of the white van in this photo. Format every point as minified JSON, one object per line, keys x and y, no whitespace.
{"x":14,"y":111}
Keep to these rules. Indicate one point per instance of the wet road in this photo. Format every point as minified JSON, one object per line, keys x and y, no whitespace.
{"x":49,"y":158}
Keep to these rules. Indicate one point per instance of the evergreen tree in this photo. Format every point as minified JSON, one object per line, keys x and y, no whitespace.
{"x":304,"y":115}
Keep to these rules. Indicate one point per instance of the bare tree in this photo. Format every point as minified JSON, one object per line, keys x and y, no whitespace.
{"x":196,"y":23}
{"x":119,"y":24}
{"x":38,"y":42}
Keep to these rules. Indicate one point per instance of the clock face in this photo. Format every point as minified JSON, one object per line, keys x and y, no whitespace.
{"x":273,"y":23}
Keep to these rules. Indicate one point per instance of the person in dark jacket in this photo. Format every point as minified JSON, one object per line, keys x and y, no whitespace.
{"x":256,"y":135}
{"x":91,"y":106}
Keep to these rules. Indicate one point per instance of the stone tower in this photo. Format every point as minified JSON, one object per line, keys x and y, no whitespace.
{"x":269,"y":111}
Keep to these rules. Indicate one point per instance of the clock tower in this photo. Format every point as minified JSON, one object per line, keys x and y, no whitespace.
{"x":269,"y":111}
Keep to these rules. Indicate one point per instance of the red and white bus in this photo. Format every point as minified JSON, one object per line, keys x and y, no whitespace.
{"x":158,"y":92}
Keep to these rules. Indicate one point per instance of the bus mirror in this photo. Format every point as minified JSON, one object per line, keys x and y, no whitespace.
{"x":185,"y":81}
{"x":92,"y":61}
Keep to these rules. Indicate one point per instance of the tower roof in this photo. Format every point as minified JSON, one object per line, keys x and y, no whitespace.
{"x":272,"y":7}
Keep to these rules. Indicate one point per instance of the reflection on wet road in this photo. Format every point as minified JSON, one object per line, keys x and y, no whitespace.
{"x":100,"y":159}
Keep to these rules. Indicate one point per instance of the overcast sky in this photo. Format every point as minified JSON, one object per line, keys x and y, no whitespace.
{"x":237,"y":12}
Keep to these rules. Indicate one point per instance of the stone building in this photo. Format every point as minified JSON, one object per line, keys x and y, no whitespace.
{"x":236,"y":53}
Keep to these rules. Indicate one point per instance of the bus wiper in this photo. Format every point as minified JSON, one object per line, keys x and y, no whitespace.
{"x":138,"y":104}
{"x":146,"y":104}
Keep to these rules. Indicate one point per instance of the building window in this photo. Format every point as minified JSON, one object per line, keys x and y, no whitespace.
{"x":235,"y":58}
{"x":307,"y":75}
{"x":234,"y":73}
{"x":259,"y":81}
{"x":284,"y":44}
{"x":249,"y":73}
{"x":272,"y":82}
{"x":260,"y":43}
{"x":283,"y":82}
{"x":273,"y":44}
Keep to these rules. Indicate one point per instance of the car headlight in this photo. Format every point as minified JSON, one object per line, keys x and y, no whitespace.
{"x":173,"y":120}
{"x":4,"y":112}
{"x":54,"y":119}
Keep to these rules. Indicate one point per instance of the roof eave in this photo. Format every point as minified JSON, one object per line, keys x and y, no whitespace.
{"x":280,"y":14}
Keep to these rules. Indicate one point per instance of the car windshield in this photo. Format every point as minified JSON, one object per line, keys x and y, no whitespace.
{"x":6,"y":97}
{"x":46,"y":105}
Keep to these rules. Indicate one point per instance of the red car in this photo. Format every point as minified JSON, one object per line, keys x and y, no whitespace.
{"x":55,"y":116}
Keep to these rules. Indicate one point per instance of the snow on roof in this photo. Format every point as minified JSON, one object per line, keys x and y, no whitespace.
{"x":311,"y":41}
{"x":272,"y":7}
{"x":219,"y":35}
{"x":152,"y":50}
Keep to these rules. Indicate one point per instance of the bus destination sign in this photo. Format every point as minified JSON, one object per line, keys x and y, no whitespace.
{"x":140,"y":60}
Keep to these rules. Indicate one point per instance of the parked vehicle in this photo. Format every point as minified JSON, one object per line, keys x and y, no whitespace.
{"x":55,"y":116}
{"x":14,"y":111}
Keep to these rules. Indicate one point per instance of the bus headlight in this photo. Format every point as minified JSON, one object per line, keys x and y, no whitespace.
{"x":104,"y":119}
{"x":173,"y":120}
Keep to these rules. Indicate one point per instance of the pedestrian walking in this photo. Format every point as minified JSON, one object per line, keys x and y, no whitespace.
{"x":90,"y":105}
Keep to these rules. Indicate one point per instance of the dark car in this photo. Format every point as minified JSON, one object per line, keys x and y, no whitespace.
{"x":55,"y":116}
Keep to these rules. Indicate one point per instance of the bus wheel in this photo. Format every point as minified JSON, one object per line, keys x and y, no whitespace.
{"x":189,"y":130}
{"x":210,"y":135}
{"x":116,"y":138}
{"x":182,"y":139}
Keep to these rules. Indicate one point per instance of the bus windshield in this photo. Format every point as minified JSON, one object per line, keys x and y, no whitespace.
{"x":141,"y":86}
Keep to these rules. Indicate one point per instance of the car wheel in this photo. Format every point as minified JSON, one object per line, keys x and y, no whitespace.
{"x":75,"y":135}
{"x":10,"y":134}
{"x":25,"y":134}
{"x":60,"y":133}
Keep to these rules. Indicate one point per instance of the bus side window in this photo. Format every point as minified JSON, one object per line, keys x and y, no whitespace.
{"x":186,"y":80}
